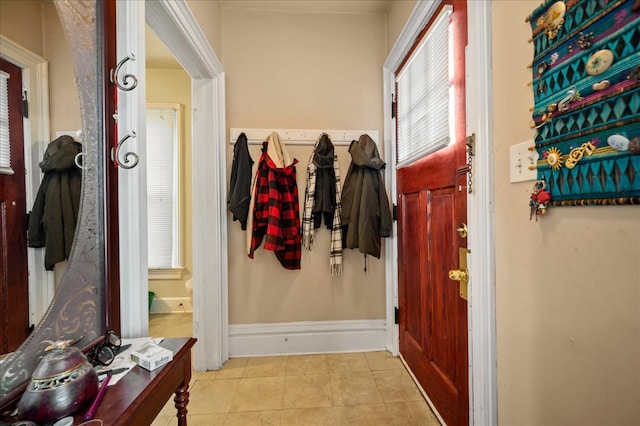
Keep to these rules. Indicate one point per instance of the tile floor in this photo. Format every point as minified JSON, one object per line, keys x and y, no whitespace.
{"x":371,"y":388}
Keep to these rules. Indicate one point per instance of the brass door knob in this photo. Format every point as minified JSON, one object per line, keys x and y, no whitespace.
{"x":459,"y":274}
{"x":462,"y":230}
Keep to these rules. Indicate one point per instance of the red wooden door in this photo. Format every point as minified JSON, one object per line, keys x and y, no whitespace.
{"x":432,"y":203}
{"x":14,"y":286}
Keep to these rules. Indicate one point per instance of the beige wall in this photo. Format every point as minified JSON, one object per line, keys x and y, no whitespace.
{"x":399,"y":12}
{"x":209,"y":17}
{"x":173,"y":86}
{"x":21,"y":21}
{"x":568,"y":286}
{"x":35,"y":26}
{"x":299,"y":70}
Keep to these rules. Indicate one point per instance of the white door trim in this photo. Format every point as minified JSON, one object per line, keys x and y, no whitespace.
{"x":175,"y":25}
{"x":482,"y":340}
{"x":35,"y":80}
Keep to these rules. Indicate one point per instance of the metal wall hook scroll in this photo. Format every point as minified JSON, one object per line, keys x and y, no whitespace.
{"x":126,"y":85}
{"x":130,"y":159}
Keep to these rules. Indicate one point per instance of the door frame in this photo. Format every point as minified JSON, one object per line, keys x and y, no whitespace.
{"x":176,"y":26}
{"x":35,"y":80}
{"x":480,"y":211}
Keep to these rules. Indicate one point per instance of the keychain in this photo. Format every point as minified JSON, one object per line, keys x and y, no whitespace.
{"x":539,"y":199}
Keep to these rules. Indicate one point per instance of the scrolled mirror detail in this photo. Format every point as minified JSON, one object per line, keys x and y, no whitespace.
{"x":78,"y":310}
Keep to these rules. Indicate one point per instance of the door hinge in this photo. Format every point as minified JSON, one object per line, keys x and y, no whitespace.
{"x":394,"y":212}
{"x":394,"y":104}
{"x":25,"y":104}
{"x":27,"y":222}
{"x":396,"y":314}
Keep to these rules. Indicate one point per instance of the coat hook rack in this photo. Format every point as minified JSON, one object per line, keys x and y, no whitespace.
{"x":300,"y":136}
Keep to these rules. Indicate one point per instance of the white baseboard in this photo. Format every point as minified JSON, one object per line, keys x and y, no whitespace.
{"x":307,"y":337}
{"x":171,"y":305}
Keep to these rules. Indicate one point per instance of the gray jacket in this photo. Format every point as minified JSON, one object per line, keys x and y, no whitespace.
{"x":366,"y":216}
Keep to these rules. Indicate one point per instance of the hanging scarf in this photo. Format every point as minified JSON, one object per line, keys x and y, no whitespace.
{"x":309,"y":222}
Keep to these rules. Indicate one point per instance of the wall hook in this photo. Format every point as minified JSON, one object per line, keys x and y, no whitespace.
{"x":125,"y":85}
{"x":130,"y":159}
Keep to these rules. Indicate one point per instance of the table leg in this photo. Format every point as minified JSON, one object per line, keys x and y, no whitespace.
{"x":181,"y":400}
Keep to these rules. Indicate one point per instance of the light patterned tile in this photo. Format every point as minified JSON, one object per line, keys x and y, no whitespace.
{"x":254,"y":418}
{"x":344,"y":363}
{"x":258,"y":394}
{"x":298,"y":365}
{"x":268,"y":366}
{"x":212,"y":396}
{"x":396,"y":386}
{"x":363,"y":415}
{"x":412,"y":413}
{"x":309,"y":417}
{"x":355,"y":388}
{"x":383,"y":361}
{"x":206,"y":419}
{"x":233,"y":369}
{"x":206,"y":375}
{"x":307,"y":391}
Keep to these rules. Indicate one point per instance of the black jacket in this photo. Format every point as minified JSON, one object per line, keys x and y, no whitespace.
{"x":52,"y":222}
{"x":240,"y":185}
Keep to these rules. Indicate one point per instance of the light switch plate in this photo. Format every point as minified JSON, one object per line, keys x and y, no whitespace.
{"x":520,"y":159}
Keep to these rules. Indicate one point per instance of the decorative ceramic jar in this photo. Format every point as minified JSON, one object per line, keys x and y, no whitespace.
{"x":62,"y":383}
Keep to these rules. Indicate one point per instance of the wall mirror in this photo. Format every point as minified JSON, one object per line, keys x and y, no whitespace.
{"x":78,"y":309}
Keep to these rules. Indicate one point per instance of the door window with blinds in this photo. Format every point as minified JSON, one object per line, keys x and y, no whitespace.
{"x":163,"y":188}
{"x":5,"y":147}
{"x":424,"y":94}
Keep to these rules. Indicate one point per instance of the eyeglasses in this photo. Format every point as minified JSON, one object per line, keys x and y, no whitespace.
{"x":105,"y":352}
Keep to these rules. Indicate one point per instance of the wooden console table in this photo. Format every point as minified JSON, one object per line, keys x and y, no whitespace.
{"x":140,"y":395}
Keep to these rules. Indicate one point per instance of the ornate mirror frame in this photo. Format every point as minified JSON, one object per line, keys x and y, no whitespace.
{"x":78,"y":311}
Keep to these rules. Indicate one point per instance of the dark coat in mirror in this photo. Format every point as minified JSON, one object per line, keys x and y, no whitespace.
{"x":52,"y":222}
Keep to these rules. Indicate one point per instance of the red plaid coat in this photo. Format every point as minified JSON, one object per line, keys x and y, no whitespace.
{"x":276,"y":218}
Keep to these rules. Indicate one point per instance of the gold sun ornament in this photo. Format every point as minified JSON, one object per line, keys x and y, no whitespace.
{"x":554,"y":158}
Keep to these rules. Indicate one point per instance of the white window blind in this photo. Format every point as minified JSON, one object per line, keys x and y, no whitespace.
{"x":424,"y":94}
{"x":163,"y":130}
{"x":5,"y":146}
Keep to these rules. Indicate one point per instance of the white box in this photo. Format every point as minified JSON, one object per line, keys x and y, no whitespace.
{"x":151,"y":357}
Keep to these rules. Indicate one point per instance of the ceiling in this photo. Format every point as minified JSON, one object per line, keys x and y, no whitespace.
{"x":158,"y":56}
